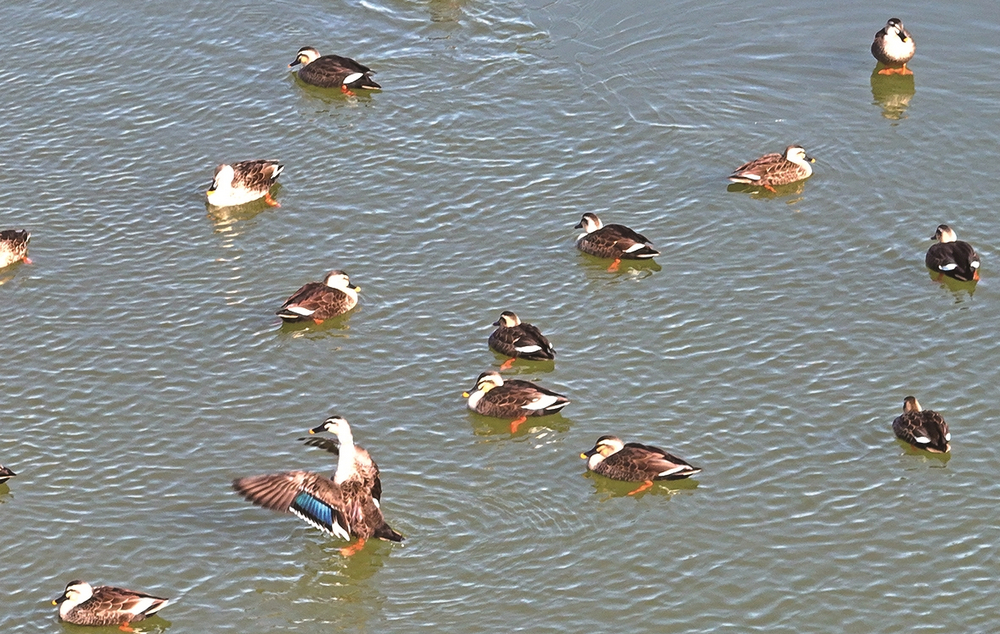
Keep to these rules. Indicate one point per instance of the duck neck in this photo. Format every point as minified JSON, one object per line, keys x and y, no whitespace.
{"x":345,"y":463}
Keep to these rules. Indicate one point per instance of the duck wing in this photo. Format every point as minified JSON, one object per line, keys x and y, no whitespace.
{"x":312,"y":497}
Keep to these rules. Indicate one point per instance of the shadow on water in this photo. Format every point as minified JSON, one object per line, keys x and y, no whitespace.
{"x":934,"y":460}
{"x":757,"y":192}
{"x":892,"y":93}
{"x":962,"y":291}
{"x":224,"y":217}
{"x":606,"y":488}
{"x":488,"y":426}
{"x":335,"y":327}
{"x":601,"y":268}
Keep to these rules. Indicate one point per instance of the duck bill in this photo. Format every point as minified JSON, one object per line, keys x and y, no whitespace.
{"x":316,"y":430}
{"x":578,"y":225}
{"x":466,"y":395}
{"x":58,"y":600}
{"x":356,"y":289}
{"x":810,"y":159}
{"x":294,"y":64}
{"x":587,"y":454}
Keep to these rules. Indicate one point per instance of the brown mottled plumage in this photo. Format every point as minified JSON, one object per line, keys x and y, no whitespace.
{"x":14,"y":247}
{"x":343,"y":506}
{"x":319,"y":301}
{"x":612,"y":241}
{"x":333,"y":71}
{"x":951,"y":256}
{"x":922,"y":428}
{"x":243,"y":182}
{"x":635,"y":462}
{"x":82,"y":604}
{"x":773,"y":170}
{"x":515,"y":338}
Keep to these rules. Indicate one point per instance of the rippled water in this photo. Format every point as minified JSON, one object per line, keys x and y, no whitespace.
{"x":771,"y":344}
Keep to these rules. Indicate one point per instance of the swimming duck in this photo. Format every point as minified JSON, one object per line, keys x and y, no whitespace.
{"x":14,"y":247}
{"x":343,"y":506}
{"x":894,"y":46}
{"x":924,"y":429}
{"x":515,"y":338}
{"x":773,"y":170}
{"x":333,"y":71}
{"x":82,"y":604}
{"x":319,"y":301}
{"x":951,"y":256}
{"x":634,"y":462}
{"x":5,"y":474}
{"x":244,"y":182}
{"x":612,"y":241}
{"x":515,"y":399}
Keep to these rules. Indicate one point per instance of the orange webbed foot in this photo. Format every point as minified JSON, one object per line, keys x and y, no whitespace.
{"x":645,"y":485}
{"x":318,"y":321}
{"x":353,"y":549}
{"x":506,"y":365}
{"x":614,"y":266}
{"x":26,"y":260}
{"x":270,"y":201}
{"x":125,"y":627}
{"x":347,"y":91}
{"x":514,"y":424}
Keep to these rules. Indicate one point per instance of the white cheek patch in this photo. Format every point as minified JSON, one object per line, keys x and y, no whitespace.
{"x":541,"y":402}
{"x":353,"y":77}
{"x":299,"y":310}
{"x":923,"y":440}
{"x":527,"y":348}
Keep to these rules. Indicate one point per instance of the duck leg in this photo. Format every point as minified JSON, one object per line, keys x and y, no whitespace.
{"x":354,"y":548}
{"x":506,"y":365}
{"x":645,"y":485}
{"x":270,"y":201}
{"x":888,"y":70}
{"x":614,"y":265}
{"x":347,"y":91}
{"x":514,"y":424}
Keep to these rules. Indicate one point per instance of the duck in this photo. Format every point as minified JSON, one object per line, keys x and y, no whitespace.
{"x":320,"y":301}
{"x":5,"y":474}
{"x":343,"y":506}
{"x":333,"y":71}
{"x":773,"y":170}
{"x":14,"y":247}
{"x":492,"y":396}
{"x":923,"y":428}
{"x":244,"y":182}
{"x":951,"y":256}
{"x":635,"y":462}
{"x":893,"y":47}
{"x":517,"y":339}
{"x":612,"y":241}
{"x":82,"y":604}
